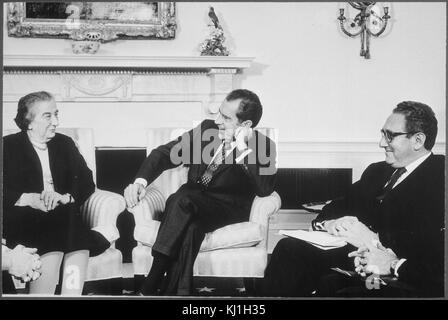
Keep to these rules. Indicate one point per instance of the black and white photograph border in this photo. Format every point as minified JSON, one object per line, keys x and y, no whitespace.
{"x":327,"y":76}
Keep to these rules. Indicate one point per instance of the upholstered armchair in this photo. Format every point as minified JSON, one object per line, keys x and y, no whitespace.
{"x":100,"y":211}
{"x":236,"y":250}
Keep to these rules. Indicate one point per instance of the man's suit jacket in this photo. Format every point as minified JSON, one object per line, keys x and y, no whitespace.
{"x":22,"y":171}
{"x":410,"y":220}
{"x":236,"y":184}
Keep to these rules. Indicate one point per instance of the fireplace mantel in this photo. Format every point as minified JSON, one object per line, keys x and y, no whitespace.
{"x":24,"y":63}
{"x":121,"y":96}
{"x":124,"y":78}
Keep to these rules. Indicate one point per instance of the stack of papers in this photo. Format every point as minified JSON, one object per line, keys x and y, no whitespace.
{"x":319,"y":239}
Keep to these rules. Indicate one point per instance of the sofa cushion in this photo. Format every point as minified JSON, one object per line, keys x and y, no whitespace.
{"x":147,"y":233}
{"x":238,"y":235}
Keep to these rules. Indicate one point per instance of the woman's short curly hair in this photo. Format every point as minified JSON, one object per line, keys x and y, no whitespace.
{"x":24,"y":115}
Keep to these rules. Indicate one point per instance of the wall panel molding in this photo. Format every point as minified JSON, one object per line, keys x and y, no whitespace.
{"x":339,"y":146}
{"x":356,"y":155}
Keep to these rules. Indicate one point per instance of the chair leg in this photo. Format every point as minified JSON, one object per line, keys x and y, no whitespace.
{"x":138,"y":281}
{"x":250,"y":286}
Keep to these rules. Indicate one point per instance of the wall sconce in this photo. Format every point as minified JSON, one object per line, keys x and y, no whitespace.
{"x":366,"y":23}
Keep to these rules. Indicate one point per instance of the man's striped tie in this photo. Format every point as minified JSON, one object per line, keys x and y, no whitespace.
{"x":208,"y":174}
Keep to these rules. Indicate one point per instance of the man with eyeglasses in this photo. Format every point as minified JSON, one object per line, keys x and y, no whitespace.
{"x":392,"y":219}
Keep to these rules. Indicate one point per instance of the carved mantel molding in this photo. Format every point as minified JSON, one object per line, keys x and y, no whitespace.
{"x":125,"y":78}
{"x":166,"y":64}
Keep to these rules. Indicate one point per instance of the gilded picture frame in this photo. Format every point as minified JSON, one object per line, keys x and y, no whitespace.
{"x":100,"y":21}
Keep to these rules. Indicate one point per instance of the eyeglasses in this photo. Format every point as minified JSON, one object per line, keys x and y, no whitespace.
{"x":389,"y":135}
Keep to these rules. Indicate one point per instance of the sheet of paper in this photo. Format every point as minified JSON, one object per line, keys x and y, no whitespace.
{"x":317,"y":206}
{"x":320,"y":239}
{"x":324,"y":247}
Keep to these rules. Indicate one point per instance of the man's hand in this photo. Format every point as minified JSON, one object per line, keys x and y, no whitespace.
{"x":360,"y":261}
{"x":242,"y":136}
{"x":359,"y":235}
{"x":336,"y":226}
{"x":228,"y":137}
{"x":52,"y":199}
{"x":133,"y":194}
{"x":24,"y":263}
{"x":373,"y":260}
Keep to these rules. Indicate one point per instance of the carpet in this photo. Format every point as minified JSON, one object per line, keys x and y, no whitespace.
{"x":202,"y":287}
{"x":126,"y":286}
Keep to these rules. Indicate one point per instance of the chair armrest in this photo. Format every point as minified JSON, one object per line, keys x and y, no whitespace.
{"x":100,"y":212}
{"x":264,"y":207}
{"x":149,"y":208}
{"x":145,"y":214}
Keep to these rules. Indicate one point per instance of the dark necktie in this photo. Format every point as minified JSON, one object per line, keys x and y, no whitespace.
{"x":393,"y":179}
{"x":208,"y":174}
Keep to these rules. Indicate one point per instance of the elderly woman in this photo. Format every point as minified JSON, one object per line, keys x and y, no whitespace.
{"x":46,"y":180}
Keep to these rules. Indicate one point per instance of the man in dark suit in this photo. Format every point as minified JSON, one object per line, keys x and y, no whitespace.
{"x":227,"y":169}
{"x":393,"y":219}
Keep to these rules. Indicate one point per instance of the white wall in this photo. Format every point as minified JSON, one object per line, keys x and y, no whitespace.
{"x":314,"y":85}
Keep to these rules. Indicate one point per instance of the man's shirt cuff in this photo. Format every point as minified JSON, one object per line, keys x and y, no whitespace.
{"x":398,"y":265}
{"x":141,"y":181}
{"x":243,"y":155}
{"x":318,"y":225}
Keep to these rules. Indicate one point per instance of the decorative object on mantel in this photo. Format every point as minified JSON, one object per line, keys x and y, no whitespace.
{"x":89,"y":47}
{"x":85,"y":42}
{"x":214,"y":44}
{"x":368,"y":22}
{"x":115,"y":20}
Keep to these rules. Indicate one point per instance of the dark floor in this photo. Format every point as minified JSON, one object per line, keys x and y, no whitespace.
{"x":203,"y":286}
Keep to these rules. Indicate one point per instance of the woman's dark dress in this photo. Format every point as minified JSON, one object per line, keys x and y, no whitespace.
{"x":61,"y":229}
